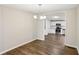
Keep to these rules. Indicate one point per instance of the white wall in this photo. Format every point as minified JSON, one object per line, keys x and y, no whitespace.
{"x":40,"y":29}
{"x":71,"y":27}
{"x":1,"y":30}
{"x":35,"y":30}
{"x":18,"y":27}
{"x":47,"y":26}
{"x":77,"y":27}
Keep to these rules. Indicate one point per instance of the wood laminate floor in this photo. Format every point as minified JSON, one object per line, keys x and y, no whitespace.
{"x":52,"y":45}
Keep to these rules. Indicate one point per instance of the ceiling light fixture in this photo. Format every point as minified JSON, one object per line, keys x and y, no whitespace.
{"x":35,"y":16}
{"x":42,"y":17}
{"x":55,"y":16}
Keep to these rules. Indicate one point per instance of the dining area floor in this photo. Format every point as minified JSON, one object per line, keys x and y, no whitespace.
{"x":52,"y":45}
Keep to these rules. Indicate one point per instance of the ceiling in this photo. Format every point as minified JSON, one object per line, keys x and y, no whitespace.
{"x":37,"y":8}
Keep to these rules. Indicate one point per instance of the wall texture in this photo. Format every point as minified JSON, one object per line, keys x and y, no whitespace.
{"x":40,"y":29}
{"x":77,"y":27}
{"x":16,"y":27}
{"x":1,"y":30}
{"x":71,"y":27}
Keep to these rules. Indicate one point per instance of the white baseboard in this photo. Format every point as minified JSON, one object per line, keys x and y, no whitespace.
{"x":29,"y":42}
{"x":71,"y":45}
{"x":40,"y":38}
{"x":78,"y":50}
{"x":16,"y":46}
